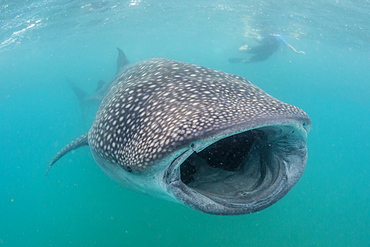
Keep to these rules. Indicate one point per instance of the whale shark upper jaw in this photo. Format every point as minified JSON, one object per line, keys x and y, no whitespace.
{"x":242,"y":173}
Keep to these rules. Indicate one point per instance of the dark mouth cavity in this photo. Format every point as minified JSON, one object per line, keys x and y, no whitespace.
{"x":239,"y":169}
{"x":226,"y":154}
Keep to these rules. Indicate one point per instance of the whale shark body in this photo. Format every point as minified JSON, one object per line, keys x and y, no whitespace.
{"x":207,"y":139}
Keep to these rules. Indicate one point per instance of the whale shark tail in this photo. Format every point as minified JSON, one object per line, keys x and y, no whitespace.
{"x":80,"y":94}
{"x":91,"y":101}
{"x":102,"y":86}
{"x":88,"y":102}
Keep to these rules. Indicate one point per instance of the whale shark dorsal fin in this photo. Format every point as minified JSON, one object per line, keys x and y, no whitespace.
{"x":78,"y":142}
{"x":121,"y":60}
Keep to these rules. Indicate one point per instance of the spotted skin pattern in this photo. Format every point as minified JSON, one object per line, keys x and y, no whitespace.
{"x":159,"y":105}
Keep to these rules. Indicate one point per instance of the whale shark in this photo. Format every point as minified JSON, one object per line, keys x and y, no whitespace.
{"x":207,"y":139}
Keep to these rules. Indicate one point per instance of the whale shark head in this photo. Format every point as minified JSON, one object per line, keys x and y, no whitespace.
{"x":204,"y":138}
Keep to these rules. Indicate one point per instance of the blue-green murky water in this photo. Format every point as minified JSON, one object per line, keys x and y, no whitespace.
{"x":43,"y":43}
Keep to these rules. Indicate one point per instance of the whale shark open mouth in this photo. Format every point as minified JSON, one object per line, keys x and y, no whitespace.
{"x":242,"y":173}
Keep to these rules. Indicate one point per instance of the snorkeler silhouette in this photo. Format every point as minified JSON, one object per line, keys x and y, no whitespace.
{"x":268,"y":45}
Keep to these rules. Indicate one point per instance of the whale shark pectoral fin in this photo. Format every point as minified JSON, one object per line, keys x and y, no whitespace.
{"x":78,"y":142}
{"x":122,"y":60}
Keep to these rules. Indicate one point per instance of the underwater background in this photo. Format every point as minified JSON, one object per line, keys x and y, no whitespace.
{"x":43,"y":44}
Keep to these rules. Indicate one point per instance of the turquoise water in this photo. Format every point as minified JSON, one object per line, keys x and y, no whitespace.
{"x":43,"y":43}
